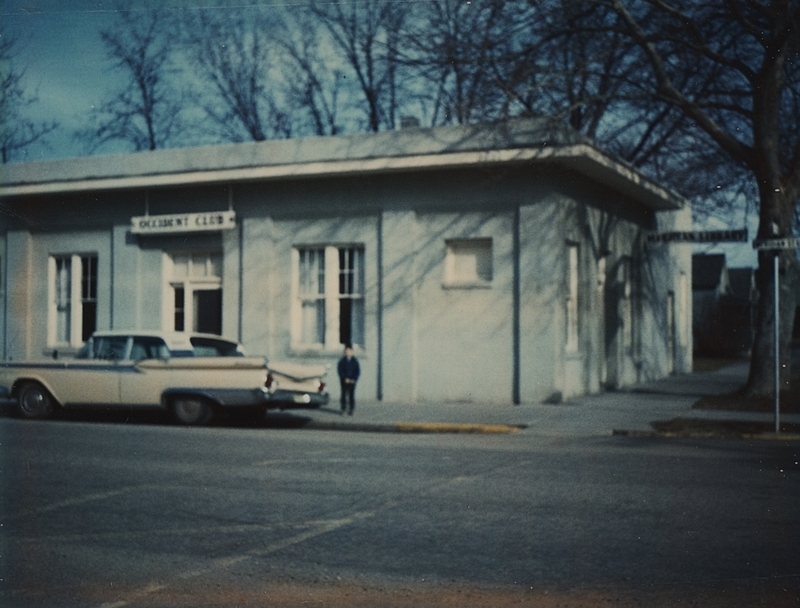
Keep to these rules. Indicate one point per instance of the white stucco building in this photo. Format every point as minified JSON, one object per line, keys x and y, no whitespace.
{"x":501,"y":263}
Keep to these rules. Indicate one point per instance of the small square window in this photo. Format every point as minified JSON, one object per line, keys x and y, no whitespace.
{"x":468,"y":262}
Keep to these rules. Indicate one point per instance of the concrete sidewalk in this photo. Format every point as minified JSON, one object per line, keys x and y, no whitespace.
{"x":628,"y":411}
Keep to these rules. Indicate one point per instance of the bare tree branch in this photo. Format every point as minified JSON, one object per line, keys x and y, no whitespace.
{"x":17,"y":132}
{"x":145,"y":113}
{"x":233,"y":52}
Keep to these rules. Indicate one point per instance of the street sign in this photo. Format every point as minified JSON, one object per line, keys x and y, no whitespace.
{"x":699,"y":236}
{"x":785,"y":243}
{"x":776,"y":245}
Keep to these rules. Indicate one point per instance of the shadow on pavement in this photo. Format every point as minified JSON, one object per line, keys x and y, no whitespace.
{"x":273,"y":419}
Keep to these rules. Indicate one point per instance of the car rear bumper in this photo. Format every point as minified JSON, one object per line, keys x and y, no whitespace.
{"x":295,"y":399}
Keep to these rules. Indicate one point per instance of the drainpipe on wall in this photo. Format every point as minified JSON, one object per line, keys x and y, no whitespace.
{"x":379,"y":379}
{"x":4,"y":269}
{"x":515,"y":321}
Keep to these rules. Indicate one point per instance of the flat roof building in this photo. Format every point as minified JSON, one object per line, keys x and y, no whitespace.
{"x":498,"y":263}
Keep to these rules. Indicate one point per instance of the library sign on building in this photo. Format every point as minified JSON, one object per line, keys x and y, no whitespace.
{"x":500,"y":263}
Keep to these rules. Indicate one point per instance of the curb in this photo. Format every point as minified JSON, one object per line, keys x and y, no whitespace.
{"x":416,"y":427}
{"x":708,"y":435}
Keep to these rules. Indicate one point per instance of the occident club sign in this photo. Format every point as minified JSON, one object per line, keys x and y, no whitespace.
{"x":183,"y":222}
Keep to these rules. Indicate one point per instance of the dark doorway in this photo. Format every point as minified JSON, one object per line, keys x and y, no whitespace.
{"x":208,"y":311}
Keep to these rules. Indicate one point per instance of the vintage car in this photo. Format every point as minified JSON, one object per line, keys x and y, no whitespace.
{"x":193,"y":376}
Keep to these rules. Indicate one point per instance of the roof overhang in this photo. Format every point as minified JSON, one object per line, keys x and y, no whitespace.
{"x":518,"y":142}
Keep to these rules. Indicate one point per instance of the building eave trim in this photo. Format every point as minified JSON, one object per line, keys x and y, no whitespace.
{"x":581,"y":157}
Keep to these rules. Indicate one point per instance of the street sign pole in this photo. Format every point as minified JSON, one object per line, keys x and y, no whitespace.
{"x":777,"y":347}
{"x":776,"y":245}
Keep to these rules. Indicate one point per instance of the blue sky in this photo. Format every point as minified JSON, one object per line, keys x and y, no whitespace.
{"x":66,"y":66}
{"x":65,"y":63}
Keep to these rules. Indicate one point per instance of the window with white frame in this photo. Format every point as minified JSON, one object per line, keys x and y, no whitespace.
{"x":72,"y":315}
{"x":311,"y":293}
{"x":329,"y":291}
{"x":572,"y":298}
{"x":351,"y":295}
{"x":468,"y":262}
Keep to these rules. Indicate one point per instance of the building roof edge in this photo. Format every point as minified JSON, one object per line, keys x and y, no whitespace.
{"x":510,"y":142}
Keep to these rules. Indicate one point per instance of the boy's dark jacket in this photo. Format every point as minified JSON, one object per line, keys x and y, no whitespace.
{"x":348,"y":368}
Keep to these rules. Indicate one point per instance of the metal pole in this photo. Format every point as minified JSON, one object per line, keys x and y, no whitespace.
{"x":777,"y":349}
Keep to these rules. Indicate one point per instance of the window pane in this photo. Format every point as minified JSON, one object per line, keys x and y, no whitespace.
{"x":89,"y":278}
{"x":313,"y":312}
{"x":345,"y":321}
{"x":312,"y":272}
{"x":351,"y":270}
{"x":215,"y":264}
{"x":88,"y":296}
{"x":63,"y":291}
{"x":89,"y":319}
{"x":351,"y":295}
{"x":357,"y":322}
{"x":180,"y":266}
{"x":179,"y":309}
{"x":206,"y":265}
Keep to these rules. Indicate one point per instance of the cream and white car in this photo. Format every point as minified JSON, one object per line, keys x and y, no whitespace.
{"x":191,"y":375}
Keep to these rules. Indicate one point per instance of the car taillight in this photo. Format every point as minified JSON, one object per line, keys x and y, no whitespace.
{"x":269,"y":381}
{"x":321,"y":387}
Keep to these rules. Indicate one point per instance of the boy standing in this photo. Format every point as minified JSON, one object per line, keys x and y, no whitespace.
{"x":349,"y":371}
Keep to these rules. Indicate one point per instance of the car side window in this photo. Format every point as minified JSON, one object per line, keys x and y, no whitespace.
{"x":110,"y":348}
{"x":208,"y":347}
{"x":149,"y":348}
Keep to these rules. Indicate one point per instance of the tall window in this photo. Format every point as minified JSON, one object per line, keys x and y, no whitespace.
{"x":73,"y":299}
{"x":572,"y":299}
{"x":351,"y":295}
{"x":329,"y":302}
{"x":312,"y":295}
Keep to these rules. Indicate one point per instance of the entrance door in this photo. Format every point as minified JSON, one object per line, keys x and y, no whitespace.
{"x":196,"y":302}
{"x":208,"y":311}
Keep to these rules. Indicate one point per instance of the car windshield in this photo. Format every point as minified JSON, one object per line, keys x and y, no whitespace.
{"x":209,"y":347}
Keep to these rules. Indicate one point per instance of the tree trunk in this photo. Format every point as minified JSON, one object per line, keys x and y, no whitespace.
{"x":761,"y":380}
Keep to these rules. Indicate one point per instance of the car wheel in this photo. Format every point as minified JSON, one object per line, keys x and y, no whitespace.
{"x":34,"y":401}
{"x":191,"y":410}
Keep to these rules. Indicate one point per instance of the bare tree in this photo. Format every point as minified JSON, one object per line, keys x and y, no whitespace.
{"x":366,"y":33}
{"x":312,"y":85}
{"x":145,"y":112}
{"x":16,"y":131}
{"x":455,"y":49}
{"x":729,"y":69}
{"x":232,"y":51}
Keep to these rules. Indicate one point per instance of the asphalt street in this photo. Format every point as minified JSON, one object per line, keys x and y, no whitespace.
{"x":116,"y":514}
